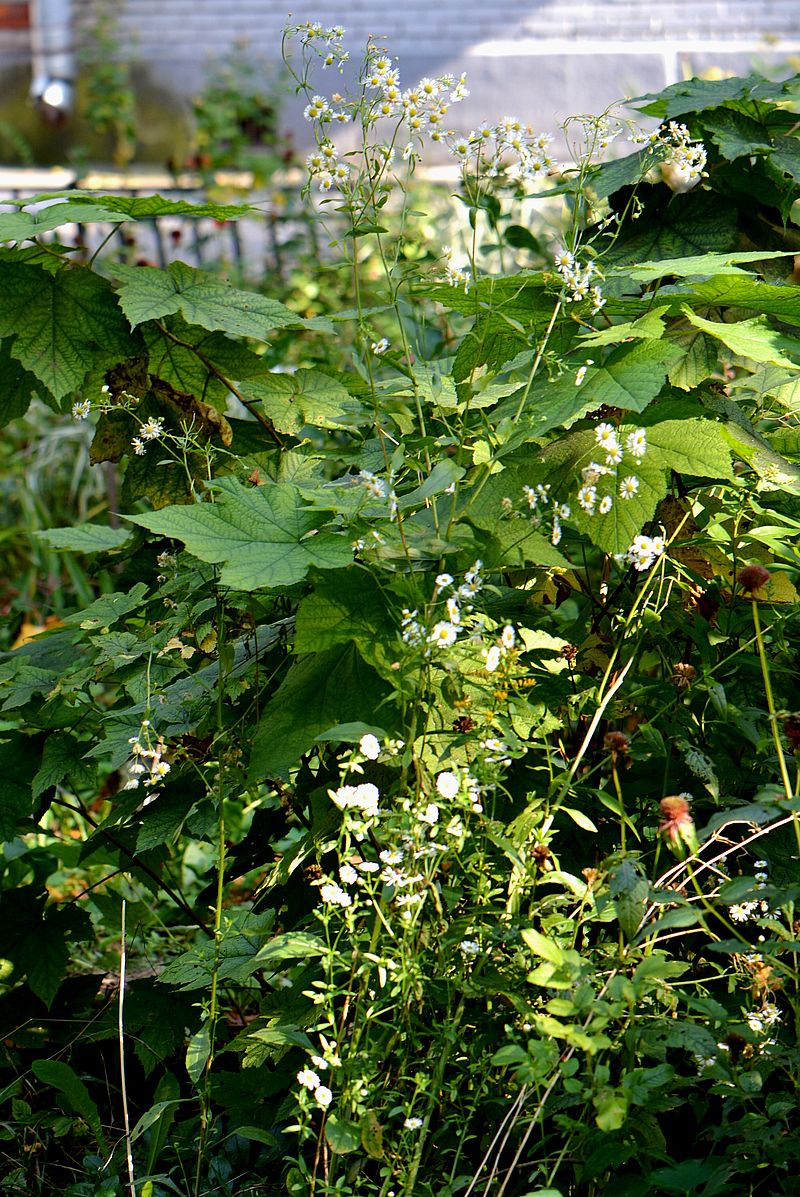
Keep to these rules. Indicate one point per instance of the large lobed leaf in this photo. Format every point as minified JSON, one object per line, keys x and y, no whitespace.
{"x":262,"y":536}
{"x":63,"y":324}
{"x":146,"y":293}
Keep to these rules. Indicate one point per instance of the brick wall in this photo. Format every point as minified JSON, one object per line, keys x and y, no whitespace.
{"x":541,"y":58}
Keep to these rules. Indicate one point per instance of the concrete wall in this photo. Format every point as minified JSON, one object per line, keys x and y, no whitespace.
{"x":541,"y":59}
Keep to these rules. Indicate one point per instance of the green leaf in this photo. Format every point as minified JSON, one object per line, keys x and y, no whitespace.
{"x":19,"y":385}
{"x":198,"y":1052}
{"x":60,"y":1076}
{"x":24,"y":226}
{"x":649,"y":327}
{"x":342,"y":1136}
{"x":677,"y":227}
{"x":43,"y":953}
{"x":696,"y":95}
{"x":63,"y":324}
{"x":147,"y":293}
{"x":62,"y":757}
{"x":319,"y":692}
{"x":689,"y":446}
{"x":107,"y":610}
{"x":262,"y":535}
{"x":236,"y":960}
{"x":144,"y":207}
{"x":628,"y":893}
{"x":630,"y":378}
{"x":17,"y":767}
{"x":292,"y":945}
{"x":540,"y":945}
{"x":307,"y":397}
{"x":718,"y":264}
{"x":736,"y":134}
{"x":372,"y":1135}
{"x":611,"y":1108}
{"x":609,"y":177}
{"x":753,"y":339}
{"x":347,"y":606}
{"x":84,"y":538}
{"x":443,"y":475}
{"x":766,"y":299}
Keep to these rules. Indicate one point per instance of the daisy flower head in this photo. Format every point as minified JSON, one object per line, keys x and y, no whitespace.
{"x":587,"y":498}
{"x":636,"y":443}
{"x":628,"y":487}
{"x":606,"y":436}
{"x":443,"y":634}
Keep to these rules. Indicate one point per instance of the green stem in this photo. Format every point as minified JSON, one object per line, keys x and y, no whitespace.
{"x":213,"y":1007}
{"x":773,"y":714}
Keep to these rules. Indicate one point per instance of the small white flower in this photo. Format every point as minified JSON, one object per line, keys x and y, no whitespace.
{"x":492,"y":658}
{"x":636,"y":443}
{"x":443,"y":634}
{"x":443,"y":580}
{"x":323,"y":1096}
{"x":333,"y":895}
{"x":369,"y":746}
{"x":139,"y":446}
{"x":508,"y":637}
{"x":579,"y":377}
{"x":453,"y":610}
{"x":379,"y":347}
{"x":412,"y":1124}
{"x":587,"y":498}
{"x":606,"y":436}
{"x":606,"y":503}
{"x":152,"y":429}
{"x":470,"y":947}
{"x":740,"y":912}
{"x":430,"y":814}
{"x":392,"y":856}
{"x":81,"y":409}
{"x":448,"y":784}
{"x":308,"y":1078}
{"x":628,"y":487}
{"x":348,"y":875}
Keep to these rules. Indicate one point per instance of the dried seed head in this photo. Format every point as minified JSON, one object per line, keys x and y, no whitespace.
{"x":616,"y":741}
{"x":753,"y":577}
{"x":684,"y":675}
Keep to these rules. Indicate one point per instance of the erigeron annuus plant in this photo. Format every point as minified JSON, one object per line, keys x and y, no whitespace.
{"x":444,"y":646}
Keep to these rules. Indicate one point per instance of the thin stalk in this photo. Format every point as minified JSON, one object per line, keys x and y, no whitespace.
{"x":213,"y":1005}
{"x":123,"y":964}
{"x":773,"y":714}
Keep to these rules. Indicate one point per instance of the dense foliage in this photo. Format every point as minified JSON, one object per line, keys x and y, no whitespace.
{"x":398,"y":795}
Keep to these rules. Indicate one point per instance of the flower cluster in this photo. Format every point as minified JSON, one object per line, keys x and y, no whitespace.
{"x":150,"y":430}
{"x":146,"y":766}
{"x":644,"y":550}
{"x":508,"y":146}
{"x":497,"y":652}
{"x":681,"y":158}
{"x":457,"y":276}
{"x":538,"y":500}
{"x":578,"y":279}
{"x":743,"y":912}
{"x":324,"y":42}
{"x":590,"y":498}
{"x":684,"y":165}
{"x":444,"y":632}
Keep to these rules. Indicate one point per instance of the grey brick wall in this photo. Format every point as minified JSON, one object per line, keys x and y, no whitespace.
{"x":541,"y":58}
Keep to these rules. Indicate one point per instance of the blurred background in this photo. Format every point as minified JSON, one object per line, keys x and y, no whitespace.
{"x":177,"y":83}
